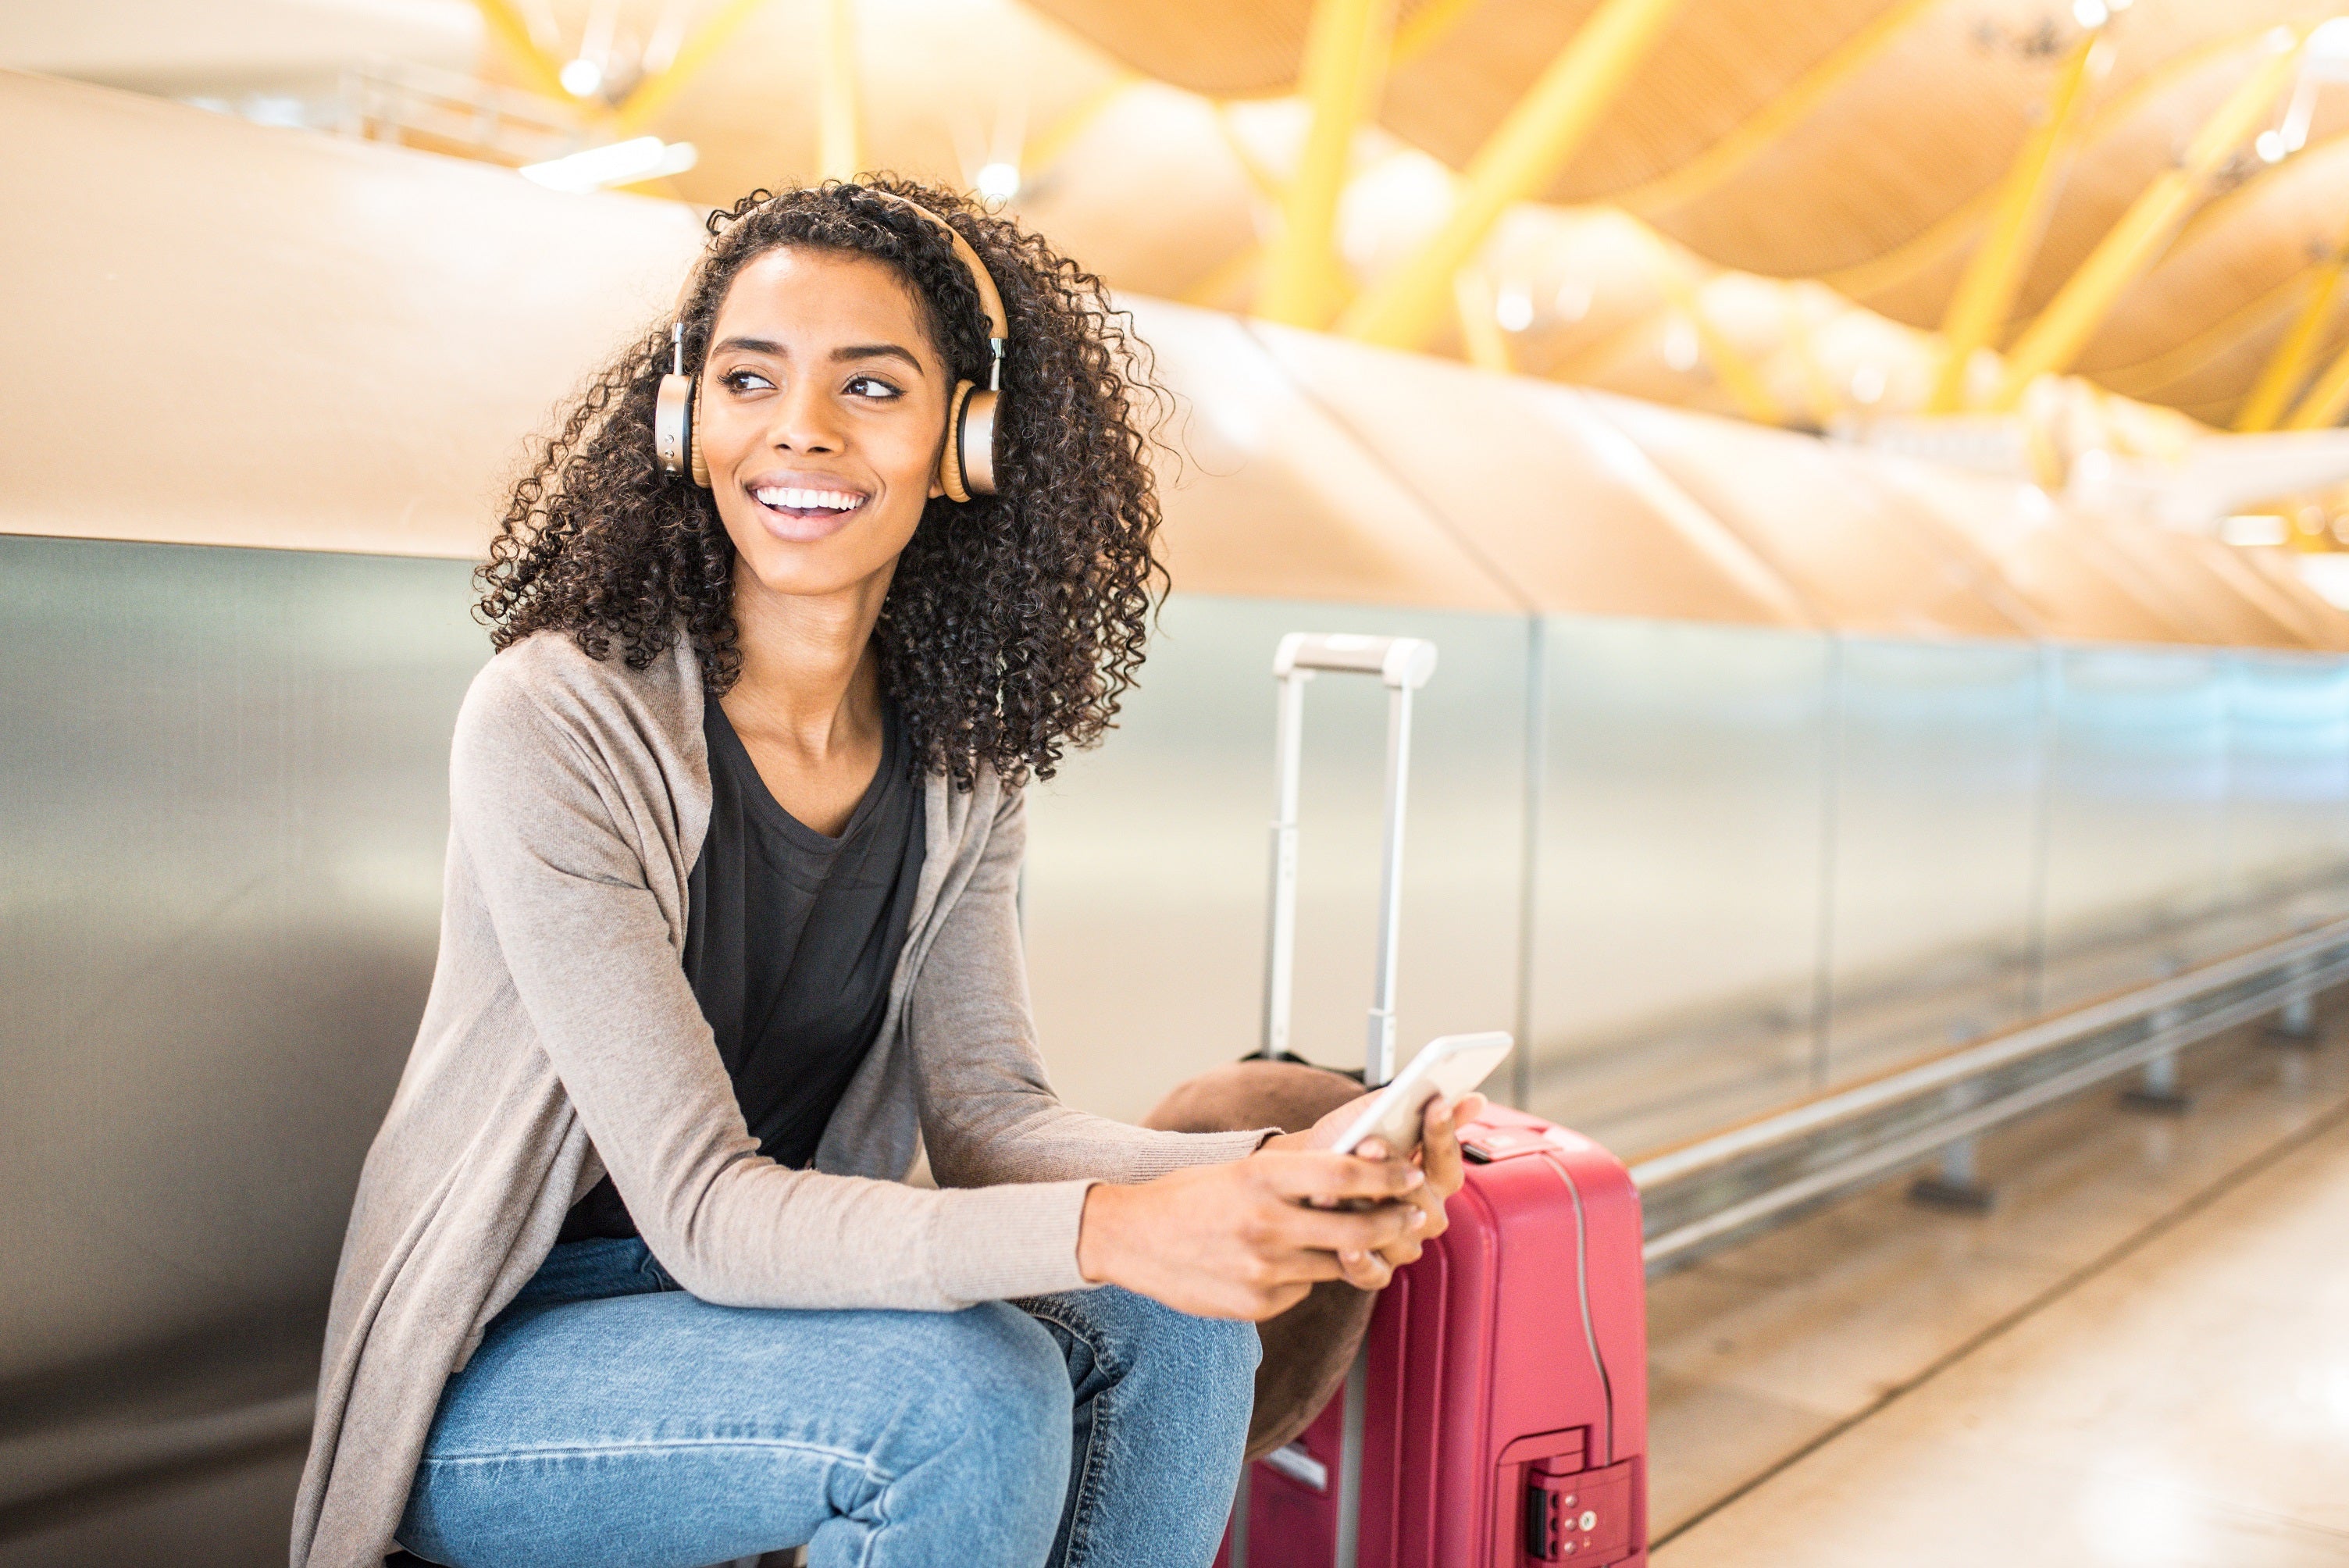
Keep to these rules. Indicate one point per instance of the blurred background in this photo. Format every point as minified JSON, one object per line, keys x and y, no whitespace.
{"x":1874,"y":470}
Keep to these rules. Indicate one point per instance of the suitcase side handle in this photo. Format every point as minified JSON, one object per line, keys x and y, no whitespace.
{"x":1404,"y":665}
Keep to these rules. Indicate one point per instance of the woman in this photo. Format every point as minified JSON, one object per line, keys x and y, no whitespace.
{"x":633,"y":1276}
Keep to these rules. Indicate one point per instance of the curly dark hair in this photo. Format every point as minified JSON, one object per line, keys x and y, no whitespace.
{"x":1015,"y":621}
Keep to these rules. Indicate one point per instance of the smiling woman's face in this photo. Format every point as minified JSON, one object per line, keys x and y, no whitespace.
{"x":821,"y":413}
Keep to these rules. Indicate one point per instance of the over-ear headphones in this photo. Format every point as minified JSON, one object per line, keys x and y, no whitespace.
{"x":967,"y":465}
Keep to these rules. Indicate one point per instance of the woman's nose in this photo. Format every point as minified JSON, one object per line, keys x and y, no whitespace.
{"x":805,"y":421}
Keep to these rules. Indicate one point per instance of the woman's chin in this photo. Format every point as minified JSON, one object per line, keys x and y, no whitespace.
{"x":810,"y":569}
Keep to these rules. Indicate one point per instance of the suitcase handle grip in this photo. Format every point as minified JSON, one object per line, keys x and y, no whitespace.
{"x":1405,"y":662}
{"x":1404,"y":665}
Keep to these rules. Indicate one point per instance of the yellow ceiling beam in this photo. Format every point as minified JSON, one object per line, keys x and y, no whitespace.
{"x":650,"y":95}
{"x":1517,"y":161}
{"x":1225,"y":277}
{"x":1429,"y":26}
{"x":1481,"y":338}
{"x":2052,"y":340}
{"x":838,"y":139}
{"x":1984,"y":297}
{"x":2326,"y":401}
{"x":1054,"y":142}
{"x":2280,"y":377}
{"x":1345,"y":70}
{"x":1766,"y":126}
{"x":1738,"y":375}
{"x":506,"y":24}
{"x":1268,"y":185}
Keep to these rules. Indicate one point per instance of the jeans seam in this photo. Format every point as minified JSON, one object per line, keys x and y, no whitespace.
{"x":862,"y":1462}
{"x":1087,"y":1468}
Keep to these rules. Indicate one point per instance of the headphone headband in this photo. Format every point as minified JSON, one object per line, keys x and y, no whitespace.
{"x":991,"y":302}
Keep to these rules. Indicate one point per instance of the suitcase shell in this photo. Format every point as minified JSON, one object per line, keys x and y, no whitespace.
{"x":1497,"y":1416}
{"x":1502,"y":1398}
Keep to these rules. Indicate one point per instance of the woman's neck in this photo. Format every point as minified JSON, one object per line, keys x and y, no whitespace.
{"x":807,"y":704}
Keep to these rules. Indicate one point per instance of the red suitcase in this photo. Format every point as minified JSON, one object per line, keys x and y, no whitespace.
{"x":1497,"y":1416}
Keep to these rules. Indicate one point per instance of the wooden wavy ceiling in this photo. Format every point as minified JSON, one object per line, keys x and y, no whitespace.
{"x":1858,"y":142}
{"x":1880,"y":187}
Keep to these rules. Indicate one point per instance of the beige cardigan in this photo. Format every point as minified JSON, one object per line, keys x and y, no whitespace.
{"x":561,"y":1040}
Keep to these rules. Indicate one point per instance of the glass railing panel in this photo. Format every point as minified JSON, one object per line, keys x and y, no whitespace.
{"x":1676,"y":952}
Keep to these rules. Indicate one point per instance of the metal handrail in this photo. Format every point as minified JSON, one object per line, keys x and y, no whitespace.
{"x":1851,"y":1136}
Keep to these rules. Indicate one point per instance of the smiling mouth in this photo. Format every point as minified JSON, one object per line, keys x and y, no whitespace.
{"x":795,"y":503}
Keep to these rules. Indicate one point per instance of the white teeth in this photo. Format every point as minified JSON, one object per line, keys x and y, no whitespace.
{"x":803,"y":500}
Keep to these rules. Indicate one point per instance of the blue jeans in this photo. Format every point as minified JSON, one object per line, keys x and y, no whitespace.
{"x":611,"y":1421}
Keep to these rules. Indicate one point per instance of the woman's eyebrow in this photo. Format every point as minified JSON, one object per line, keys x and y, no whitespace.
{"x":876,"y":351}
{"x":840,"y":356}
{"x":752,"y":345}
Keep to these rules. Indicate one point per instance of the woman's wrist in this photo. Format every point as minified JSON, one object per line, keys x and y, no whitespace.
{"x":1099,"y":1228}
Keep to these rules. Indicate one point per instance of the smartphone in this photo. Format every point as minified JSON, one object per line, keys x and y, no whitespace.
{"x":1446,"y":1068}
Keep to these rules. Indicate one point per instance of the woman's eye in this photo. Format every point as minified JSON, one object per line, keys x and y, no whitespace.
{"x":746,"y":381}
{"x":871,"y":386}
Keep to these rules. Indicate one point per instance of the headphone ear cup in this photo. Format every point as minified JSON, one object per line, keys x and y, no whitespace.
{"x":952,"y":476}
{"x":673,"y":423}
{"x":700,"y":464}
{"x":975,"y":442}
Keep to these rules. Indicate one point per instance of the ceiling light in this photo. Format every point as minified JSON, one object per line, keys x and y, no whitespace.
{"x":2270,"y":147}
{"x":1681,"y":345}
{"x":2329,"y":44}
{"x":2253,"y":528}
{"x":1000,"y":182}
{"x":2091,"y":14}
{"x":621,"y":164}
{"x":1514,"y":308}
{"x":582,"y":78}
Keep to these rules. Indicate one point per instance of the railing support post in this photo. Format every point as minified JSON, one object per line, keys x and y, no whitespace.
{"x":1956,"y":1181}
{"x":2156,"y":1088}
{"x":2295,"y":1021}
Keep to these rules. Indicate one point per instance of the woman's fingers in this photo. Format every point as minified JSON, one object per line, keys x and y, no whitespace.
{"x":1340,"y":1230}
{"x":1365,"y":1270}
{"x":1302,"y":1174}
{"x":1440,"y":1142}
{"x":1439,"y":1150}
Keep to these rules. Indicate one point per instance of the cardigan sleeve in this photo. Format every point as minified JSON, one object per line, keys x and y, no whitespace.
{"x":988,"y":1113}
{"x":559,"y":838}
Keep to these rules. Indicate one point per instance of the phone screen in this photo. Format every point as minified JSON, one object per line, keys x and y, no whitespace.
{"x":1448,"y":1068}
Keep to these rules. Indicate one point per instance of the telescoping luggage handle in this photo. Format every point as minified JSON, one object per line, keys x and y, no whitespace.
{"x":1404,"y":663}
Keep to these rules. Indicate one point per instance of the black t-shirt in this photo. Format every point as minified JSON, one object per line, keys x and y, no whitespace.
{"x":790,"y":941}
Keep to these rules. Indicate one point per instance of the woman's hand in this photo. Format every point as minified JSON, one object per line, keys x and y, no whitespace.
{"x":1248,"y":1239}
{"x":1438,"y":1157}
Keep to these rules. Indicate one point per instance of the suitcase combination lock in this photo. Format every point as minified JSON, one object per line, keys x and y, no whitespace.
{"x":1582,"y":1518}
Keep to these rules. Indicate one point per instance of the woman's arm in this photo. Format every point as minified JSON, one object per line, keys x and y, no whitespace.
{"x":988,"y":1113}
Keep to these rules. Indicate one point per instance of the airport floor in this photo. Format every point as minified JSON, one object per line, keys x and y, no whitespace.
{"x":2139,"y":1356}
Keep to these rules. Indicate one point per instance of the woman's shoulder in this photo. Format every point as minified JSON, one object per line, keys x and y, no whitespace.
{"x":550,"y":669}
{"x":547,"y":682}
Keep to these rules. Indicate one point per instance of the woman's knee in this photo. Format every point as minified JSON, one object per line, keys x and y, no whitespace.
{"x":995,"y":1390}
{"x":1211,"y":1360}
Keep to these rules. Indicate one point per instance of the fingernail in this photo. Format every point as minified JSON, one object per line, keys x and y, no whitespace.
{"x":1415,"y":1179}
{"x":1418,"y":1217}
